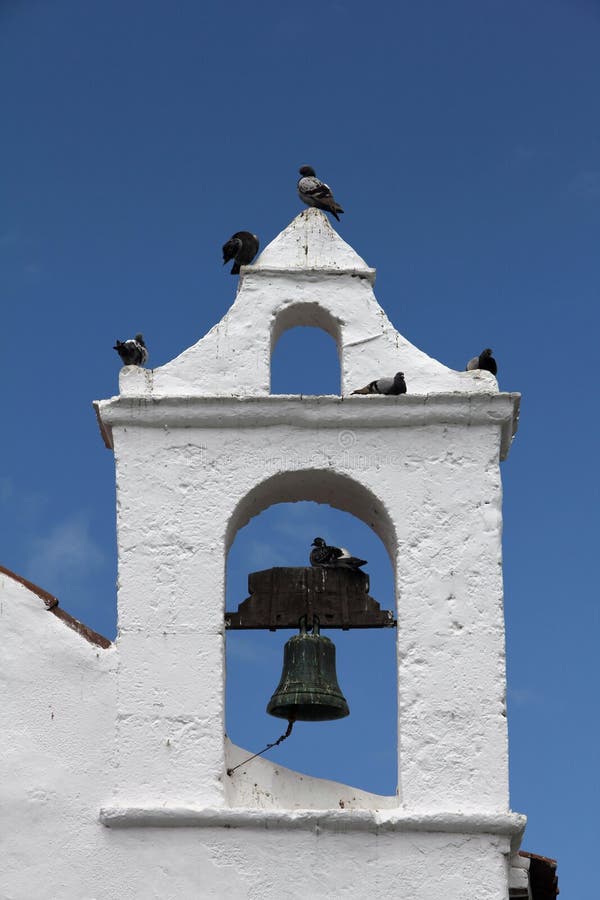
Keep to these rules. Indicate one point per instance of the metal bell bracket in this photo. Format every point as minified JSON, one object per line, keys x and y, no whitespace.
{"x":304,"y":627}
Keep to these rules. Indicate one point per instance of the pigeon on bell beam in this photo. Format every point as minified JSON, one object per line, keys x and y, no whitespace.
{"x":315,"y":192}
{"x":132,"y":352}
{"x":241,"y":247}
{"x":390,"y":386}
{"x":333,"y":557}
{"x":485,"y":361}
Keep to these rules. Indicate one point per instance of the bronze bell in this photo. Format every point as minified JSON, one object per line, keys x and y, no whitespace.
{"x":309,"y":689}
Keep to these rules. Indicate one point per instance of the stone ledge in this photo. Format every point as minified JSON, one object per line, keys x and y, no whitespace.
{"x":153,"y":411}
{"x":505,"y":824}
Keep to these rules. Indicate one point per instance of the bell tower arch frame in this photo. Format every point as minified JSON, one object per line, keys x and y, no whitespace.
{"x":200,"y":447}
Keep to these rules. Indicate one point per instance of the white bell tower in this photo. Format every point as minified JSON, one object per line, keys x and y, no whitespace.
{"x":189,"y":443}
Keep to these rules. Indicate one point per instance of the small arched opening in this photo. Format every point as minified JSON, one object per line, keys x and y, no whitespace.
{"x":274,"y":525}
{"x":305,"y":351}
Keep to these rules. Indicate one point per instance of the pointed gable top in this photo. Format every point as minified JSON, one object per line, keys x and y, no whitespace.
{"x":308,"y":275}
{"x":310,"y":242}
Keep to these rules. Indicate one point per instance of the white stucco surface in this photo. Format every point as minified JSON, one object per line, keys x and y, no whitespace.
{"x":263,"y":784}
{"x":57,"y":714}
{"x":436,"y":506}
{"x":124,"y":792}
{"x":57,"y":769}
{"x":307,"y":276}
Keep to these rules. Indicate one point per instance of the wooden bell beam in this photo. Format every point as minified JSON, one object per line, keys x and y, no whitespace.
{"x":279,"y":597}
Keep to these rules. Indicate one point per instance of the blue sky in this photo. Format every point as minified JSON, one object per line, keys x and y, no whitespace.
{"x":463,"y":140}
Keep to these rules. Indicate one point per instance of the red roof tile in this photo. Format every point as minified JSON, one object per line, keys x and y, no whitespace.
{"x":542,"y":876}
{"x":51,"y":604}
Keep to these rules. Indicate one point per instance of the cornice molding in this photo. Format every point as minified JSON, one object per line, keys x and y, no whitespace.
{"x":313,"y":412}
{"x":379,"y":821}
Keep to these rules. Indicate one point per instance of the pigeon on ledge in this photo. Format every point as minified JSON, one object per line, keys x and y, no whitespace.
{"x":241,"y":247}
{"x":336,"y":557}
{"x":132,"y":352}
{"x":485,"y":360}
{"x":390,"y":386}
{"x":315,"y":192}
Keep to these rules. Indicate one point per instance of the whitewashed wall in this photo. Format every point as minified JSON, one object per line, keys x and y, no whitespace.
{"x":307,"y":276}
{"x":437,"y":509}
{"x":57,"y":767}
{"x":151,"y":811}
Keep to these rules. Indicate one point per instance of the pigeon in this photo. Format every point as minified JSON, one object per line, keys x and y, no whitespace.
{"x":132,"y":352}
{"x":390,"y":386}
{"x":337,"y":557}
{"x":315,"y":192}
{"x":241,"y":247}
{"x":485,"y":360}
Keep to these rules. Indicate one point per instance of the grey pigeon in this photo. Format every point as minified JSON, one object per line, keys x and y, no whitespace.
{"x":315,"y":192}
{"x":241,"y":247}
{"x":132,"y":352}
{"x":390,"y":386}
{"x":485,"y":360}
{"x":336,"y":557}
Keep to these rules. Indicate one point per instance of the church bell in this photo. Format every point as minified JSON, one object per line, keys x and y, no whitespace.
{"x":308,"y":690}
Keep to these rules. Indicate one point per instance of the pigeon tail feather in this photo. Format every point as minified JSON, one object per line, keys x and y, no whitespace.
{"x":370,"y":388}
{"x":350,"y":562}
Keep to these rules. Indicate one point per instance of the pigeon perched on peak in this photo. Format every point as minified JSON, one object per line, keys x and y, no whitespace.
{"x":336,"y":557}
{"x":133,"y":352}
{"x":391,"y":386}
{"x":485,"y":360}
{"x":315,"y":192}
{"x":241,"y":247}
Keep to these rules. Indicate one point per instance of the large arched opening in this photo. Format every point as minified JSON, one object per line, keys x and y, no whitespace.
{"x":274,"y":525}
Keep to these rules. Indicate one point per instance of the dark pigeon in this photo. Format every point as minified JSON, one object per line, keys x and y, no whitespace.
{"x":132,"y":352}
{"x":315,"y":192}
{"x":485,"y":361}
{"x":390,"y":386}
{"x":241,"y":247}
{"x":337,"y":557}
